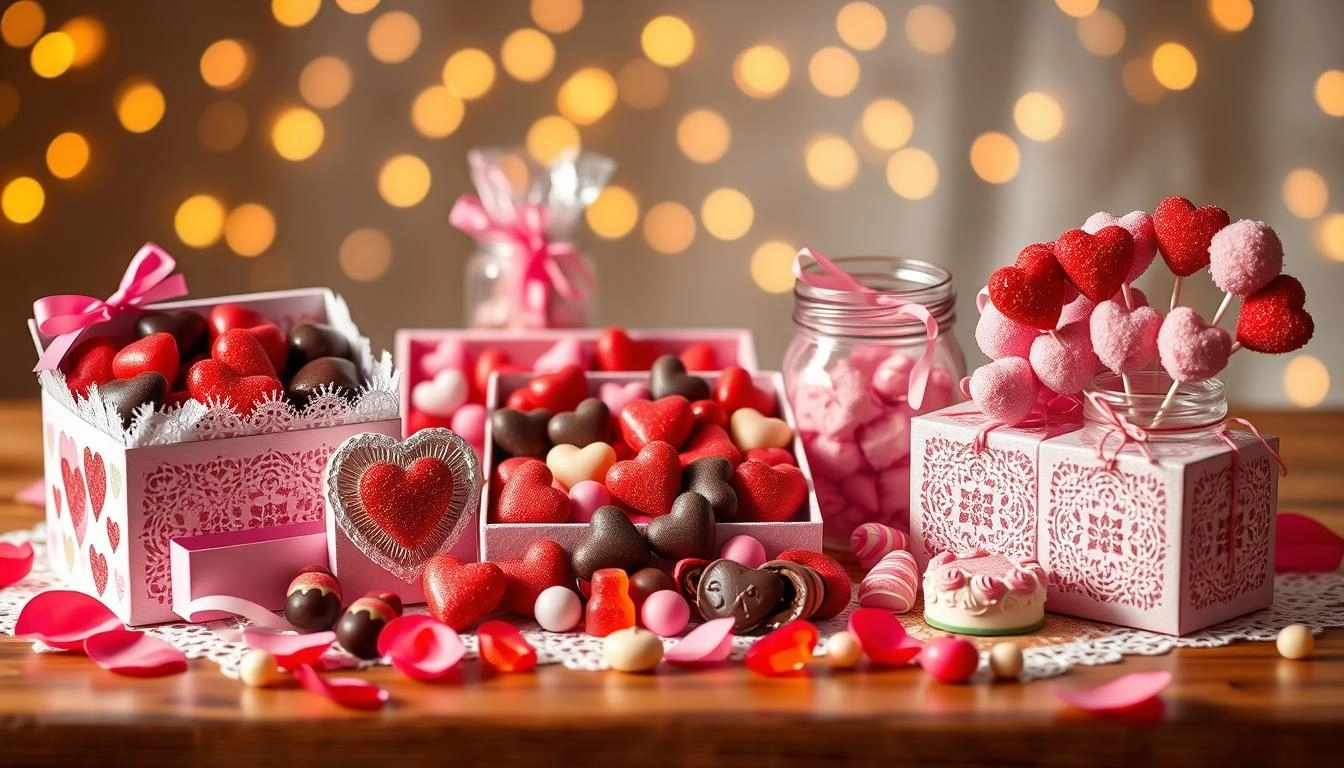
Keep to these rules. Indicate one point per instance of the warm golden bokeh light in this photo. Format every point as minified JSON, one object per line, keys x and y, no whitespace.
{"x":1305,"y":193}
{"x":89,"y":36}
{"x":772,"y":266}
{"x":53,"y":55}
{"x":642,"y":84}
{"x":404,"y":181}
{"x":365,"y":254}
{"x":861,"y":25}
{"x":393,"y":37}
{"x":667,"y":41}
{"x":356,"y":7}
{"x":549,"y":136}
{"x":1078,"y":8}
{"x":9,"y":103}
{"x":669,"y":228}
{"x":67,"y":155}
{"x":1102,"y":33}
{"x":587,"y":95}
{"x":613,"y":214}
{"x":469,"y":73}
{"x":1330,"y":236}
{"x":727,"y":213}
{"x":761,"y":71}
{"x":436,"y":112}
{"x":887,"y":124}
{"x":834,"y":71}
{"x":1137,"y":77}
{"x":22,"y":23}
{"x":295,"y":13}
{"x":912,"y":173}
{"x":930,"y":29}
{"x":325,"y":82}
{"x":140,"y":105}
{"x":297,"y":133}
{"x":831,"y":162}
{"x":527,"y":55}
{"x":226,"y":64}
{"x":1174,"y":66}
{"x":22,"y":200}
{"x":1330,"y":92}
{"x":199,"y":221}
{"x":995,"y":157}
{"x":1038,"y":116}
{"x":703,"y":135}
{"x":249,"y":230}
{"x":557,"y":16}
{"x":1231,"y":15}
{"x":1306,"y":381}
{"x":222,"y":126}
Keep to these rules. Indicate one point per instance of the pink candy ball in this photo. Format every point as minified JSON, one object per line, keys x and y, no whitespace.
{"x":1000,"y":337}
{"x":1064,"y":362}
{"x":1244,"y":256}
{"x":745,"y":550}
{"x":1005,"y":390}
{"x":665,"y":613}
{"x":950,"y":659}
{"x":584,"y":499}
{"x":871,"y":541}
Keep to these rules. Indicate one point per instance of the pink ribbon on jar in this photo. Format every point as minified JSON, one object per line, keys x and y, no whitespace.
{"x":1234,"y":503}
{"x":1118,"y":426}
{"x":833,"y":278}
{"x":148,"y":279}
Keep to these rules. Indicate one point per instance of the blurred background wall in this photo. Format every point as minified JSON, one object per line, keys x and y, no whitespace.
{"x":285,"y":143}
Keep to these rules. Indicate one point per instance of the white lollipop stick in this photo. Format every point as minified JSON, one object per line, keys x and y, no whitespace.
{"x":1175,"y":293}
{"x":1222,"y":309}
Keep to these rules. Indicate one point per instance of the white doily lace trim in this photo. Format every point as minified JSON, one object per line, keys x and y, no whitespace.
{"x":1316,"y":600}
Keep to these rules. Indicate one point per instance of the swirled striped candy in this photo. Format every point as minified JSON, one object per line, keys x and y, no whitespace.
{"x":870,"y":542}
{"x":892,"y":583}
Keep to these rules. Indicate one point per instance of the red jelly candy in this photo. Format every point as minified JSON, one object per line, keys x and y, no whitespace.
{"x":616,"y":351}
{"x":156,"y":352}
{"x":735,"y":390}
{"x":708,"y":412}
{"x":88,"y":364}
{"x":504,"y":648}
{"x":226,"y":317}
{"x":609,"y":605}
{"x":949,"y":659}
{"x":787,"y":649}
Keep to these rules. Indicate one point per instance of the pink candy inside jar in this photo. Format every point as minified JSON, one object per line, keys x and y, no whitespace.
{"x":873,"y":347}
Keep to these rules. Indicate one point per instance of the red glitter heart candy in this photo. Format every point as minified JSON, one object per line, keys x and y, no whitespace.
{"x":226,"y":317}
{"x":1031,"y":291}
{"x":460,"y":594}
{"x":735,"y":389}
{"x":529,"y":497}
{"x":156,"y":352}
{"x":544,"y":564}
{"x":616,"y":351}
{"x":771,"y":456}
{"x":407,"y":504}
{"x":711,"y":440}
{"x":243,"y":352}
{"x":1273,"y":320}
{"x":1096,"y":265}
{"x":1184,"y":233}
{"x":767,"y":494}
{"x":648,"y":483}
{"x":560,"y":391}
{"x":211,"y":379}
{"x":521,"y":400}
{"x":668,"y":419}
{"x":708,"y":412}
{"x":273,"y":340}
{"x":490,"y":361}
{"x":89,"y":364}
{"x":699,"y":356}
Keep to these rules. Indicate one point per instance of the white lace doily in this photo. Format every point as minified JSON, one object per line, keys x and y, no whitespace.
{"x":1316,"y":600}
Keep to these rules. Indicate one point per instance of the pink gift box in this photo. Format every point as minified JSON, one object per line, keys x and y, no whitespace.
{"x":255,"y":564}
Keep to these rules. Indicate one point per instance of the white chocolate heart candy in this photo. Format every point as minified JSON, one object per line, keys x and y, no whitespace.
{"x":751,"y":430}
{"x":571,"y":465}
{"x":442,"y":395}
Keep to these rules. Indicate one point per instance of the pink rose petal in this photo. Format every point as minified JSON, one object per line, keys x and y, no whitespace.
{"x":1127,"y":692}
{"x":290,"y":650}
{"x":421,"y":647}
{"x":707,"y":643}
{"x":63,"y":619}
{"x":1305,"y":545}
{"x":134,"y":654}
{"x":16,"y":561}
{"x":348,"y":692}
{"x":33,"y":494}
{"x":882,"y":637}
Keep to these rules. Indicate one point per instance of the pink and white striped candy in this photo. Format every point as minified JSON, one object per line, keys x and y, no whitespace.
{"x":870,"y":542}
{"x":892,"y":584}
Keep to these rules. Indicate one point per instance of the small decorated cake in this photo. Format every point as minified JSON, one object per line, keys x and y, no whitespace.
{"x":978,"y":593}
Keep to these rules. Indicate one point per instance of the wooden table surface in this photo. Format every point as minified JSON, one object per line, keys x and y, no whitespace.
{"x":1238,"y":705}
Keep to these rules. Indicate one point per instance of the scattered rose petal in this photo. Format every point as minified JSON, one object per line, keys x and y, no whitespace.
{"x":882,"y":637}
{"x":707,"y":643}
{"x":1123,"y":693}
{"x":63,"y":618}
{"x":421,"y":647}
{"x":349,"y":692}
{"x":33,"y":494}
{"x":202,"y":608}
{"x":16,"y":561}
{"x":134,"y":654}
{"x":1305,"y":545}
{"x":787,"y":649}
{"x":504,"y":648}
{"x":290,"y":650}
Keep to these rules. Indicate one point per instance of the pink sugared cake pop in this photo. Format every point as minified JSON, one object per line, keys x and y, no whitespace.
{"x":1244,"y":256}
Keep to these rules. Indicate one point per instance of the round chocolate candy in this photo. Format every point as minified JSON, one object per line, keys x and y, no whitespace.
{"x":313,"y":602}
{"x":309,"y":341}
{"x":363,"y":621}
{"x":335,"y":374}
{"x":646,"y":581}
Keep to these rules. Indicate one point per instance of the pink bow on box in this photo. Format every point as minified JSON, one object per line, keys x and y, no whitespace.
{"x":1118,"y":426}
{"x":148,"y":279}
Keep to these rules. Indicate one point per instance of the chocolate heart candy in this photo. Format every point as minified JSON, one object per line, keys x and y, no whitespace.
{"x":309,"y":341}
{"x":337,"y":374}
{"x":728,"y":589}
{"x":187,"y":327}
{"x":712,"y":478}
{"x":124,"y":395}
{"x":521,"y":434}
{"x":668,"y":377}
{"x":587,"y":424}
{"x":686,"y":531}
{"x":804,"y":592}
{"x":611,"y":541}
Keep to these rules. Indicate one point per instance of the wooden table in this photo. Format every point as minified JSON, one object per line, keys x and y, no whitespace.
{"x":1239,"y":705}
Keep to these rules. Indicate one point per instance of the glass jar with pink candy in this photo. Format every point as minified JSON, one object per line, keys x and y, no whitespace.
{"x":872,"y":346}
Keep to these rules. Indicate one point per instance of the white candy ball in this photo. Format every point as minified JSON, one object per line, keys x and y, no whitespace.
{"x":843,"y":650}
{"x":1295,"y":642}
{"x":1005,"y":660}
{"x":259,"y":669}
{"x":558,"y":609}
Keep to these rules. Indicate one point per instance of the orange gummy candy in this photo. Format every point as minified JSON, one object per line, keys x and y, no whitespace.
{"x":609,"y":605}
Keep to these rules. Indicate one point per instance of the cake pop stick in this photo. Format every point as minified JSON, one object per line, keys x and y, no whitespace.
{"x":1243,"y":258}
{"x":1190,"y":350}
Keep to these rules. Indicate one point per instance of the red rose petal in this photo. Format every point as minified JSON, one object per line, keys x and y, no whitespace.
{"x":16,"y":562}
{"x":1305,"y":545}
{"x":421,"y":647}
{"x":504,"y":648}
{"x":290,"y":651}
{"x":707,"y":643}
{"x":134,"y":654}
{"x":64,"y":619}
{"x":882,"y":637}
{"x":1123,"y":693}
{"x":349,"y":692}
{"x":786,"y":650}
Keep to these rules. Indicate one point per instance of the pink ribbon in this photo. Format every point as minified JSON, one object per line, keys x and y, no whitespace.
{"x":1117,"y":426}
{"x":833,"y":278}
{"x":148,"y":279}
{"x":1234,"y":504}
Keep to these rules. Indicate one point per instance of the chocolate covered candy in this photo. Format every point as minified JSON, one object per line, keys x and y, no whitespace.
{"x":359,"y":627}
{"x":612,"y":541}
{"x":686,"y":531}
{"x":712,"y":478}
{"x":125,"y":395}
{"x":758,"y":599}
{"x":668,"y":376}
{"x":521,"y":433}
{"x":589,"y":423}
{"x":337,"y":374}
{"x":309,"y":341}
{"x":313,"y":601}
{"x":186,"y":327}
{"x":646,"y":581}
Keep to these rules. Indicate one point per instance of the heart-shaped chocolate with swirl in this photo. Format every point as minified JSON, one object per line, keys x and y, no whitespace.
{"x":686,"y":531}
{"x":521,"y":433}
{"x":728,"y":589}
{"x":589,"y":423}
{"x":403,"y":502}
{"x":612,"y":541}
{"x":668,"y":376}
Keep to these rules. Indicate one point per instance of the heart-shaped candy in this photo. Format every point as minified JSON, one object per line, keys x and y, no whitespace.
{"x":89,"y":364}
{"x":767,"y":494}
{"x":489,"y":362}
{"x":1064,"y":361}
{"x":771,"y":456}
{"x":649,"y":482}
{"x":562,"y":354}
{"x":587,"y":424}
{"x":712,"y":478}
{"x":519,"y":433}
{"x":309,"y":341}
{"x":1184,"y":233}
{"x":560,"y":391}
{"x":616,"y":351}
{"x":838,"y":586}
{"x":528,"y":496}
{"x":156,"y":352}
{"x":706,"y":412}
{"x":272,"y":339}
{"x":711,"y":440}
{"x":611,"y":541}
{"x":1189,"y":349}
{"x":1031,"y":291}
{"x":1125,"y":340}
{"x":447,"y":354}
{"x":699,"y":356}
{"x":1139,"y":225}
{"x":333,"y":374}
{"x":1244,"y":256}
{"x":125,"y":395}
{"x":751,"y":430}
{"x":469,"y":422}
{"x":187,"y":328}
{"x":211,"y":380}
{"x":544,"y":564}
{"x":668,"y":420}
{"x":1096,"y":265}
{"x":686,"y":531}
{"x":227,"y":317}
{"x":243,"y":353}
{"x":735,"y":389}
{"x":668,"y":376}
{"x":406,"y":502}
{"x":441,"y":395}
{"x":617,"y":396}
{"x":571,"y":465}
{"x":1004,"y":390}
{"x":727,"y":589}
{"x":1274,"y":319}
{"x":461,"y":594}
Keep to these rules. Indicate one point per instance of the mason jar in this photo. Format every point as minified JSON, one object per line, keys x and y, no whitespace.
{"x":1196,"y":411}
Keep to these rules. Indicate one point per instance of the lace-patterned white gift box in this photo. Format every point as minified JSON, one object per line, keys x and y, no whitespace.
{"x":117,"y":497}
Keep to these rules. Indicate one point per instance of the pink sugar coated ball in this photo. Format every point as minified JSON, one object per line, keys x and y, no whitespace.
{"x":1000,"y":336}
{"x":745,"y":550}
{"x":1005,"y":390}
{"x":1125,"y":341}
{"x":1064,"y":362}
{"x":871,"y":541}
{"x":1244,"y":256}
{"x":892,"y":584}
{"x":1140,"y":227}
{"x":665,"y":613}
{"x":885,"y":440}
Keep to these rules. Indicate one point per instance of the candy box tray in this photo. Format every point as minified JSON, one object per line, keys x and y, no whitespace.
{"x":505,"y":541}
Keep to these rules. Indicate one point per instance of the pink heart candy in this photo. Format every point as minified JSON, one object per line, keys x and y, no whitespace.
{"x":1005,"y":390}
{"x":469,"y":422}
{"x":449,"y":355}
{"x":1000,"y":336}
{"x":1189,"y":349}
{"x":1140,"y":227}
{"x":1078,"y":309}
{"x":585,"y":497}
{"x":617,"y":395}
{"x":563,"y":353}
{"x":1064,"y":361}
{"x":1125,"y":341}
{"x":1244,"y":256}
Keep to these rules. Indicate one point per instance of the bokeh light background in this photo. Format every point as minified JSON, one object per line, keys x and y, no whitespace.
{"x":285,"y":143}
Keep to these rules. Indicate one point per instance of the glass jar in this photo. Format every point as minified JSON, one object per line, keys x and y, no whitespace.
{"x":847,"y":373}
{"x":1196,"y":411}
{"x":496,"y":295}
